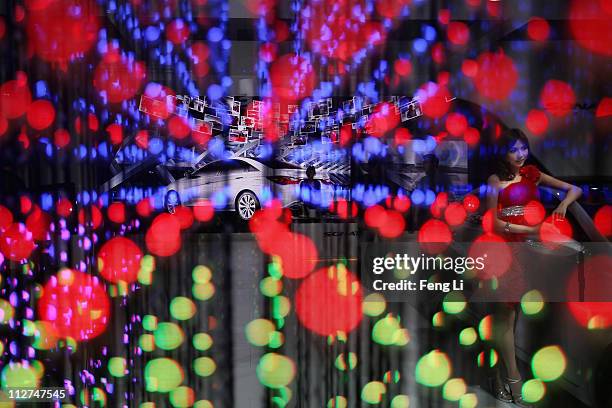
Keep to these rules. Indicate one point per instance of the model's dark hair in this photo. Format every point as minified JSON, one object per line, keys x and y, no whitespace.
{"x":506,"y":140}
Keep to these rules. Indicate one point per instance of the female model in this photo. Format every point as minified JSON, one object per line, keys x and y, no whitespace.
{"x":510,"y":188}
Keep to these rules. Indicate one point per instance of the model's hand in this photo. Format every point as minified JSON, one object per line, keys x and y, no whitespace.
{"x":560,"y":211}
{"x":535,"y":230}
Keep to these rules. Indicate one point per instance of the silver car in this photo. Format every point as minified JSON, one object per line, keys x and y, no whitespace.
{"x":237,"y":184}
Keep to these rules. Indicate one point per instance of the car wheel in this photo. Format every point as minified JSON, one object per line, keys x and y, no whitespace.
{"x":172,"y":201}
{"x":246,"y":205}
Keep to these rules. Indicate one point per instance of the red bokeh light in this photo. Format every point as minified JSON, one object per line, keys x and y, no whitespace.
{"x":384,"y":118}
{"x":116,"y":213}
{"x":142,"y":139}
{"x":596,"y":313}
{"x":267,"y":52}
{"x":469,"y":68}
{"x":603,"y":220}
{"x":557,"y":97}
{"x":497,"y":75}
{"x":25,"y":204}
{"x":471,"y":136}
{"x":163,"y":237}
{"x":61,"y":138}
{"x":292,"y":77}
{"x":471,"y":203}
{"x":119,"y":78}
{"x":604,"y":108}
{"x":92,"y":216}
{"x":401,"y":203}
{"x":203,"y":211}
{"x":537,"y":121}
{"x":455,"y":214}
{"x":342,"y":209}
{"x":38,"y":223}
{"x":538,"y":29}
{"x":297,"y":252}
{"x":555,"y":231}
{"x":6,"y":218}
{"x":177,"y":31}
{"x":178,"y":127}
{"x":75,"y":304}
{"x":438,"y":54}
{"x":63,"y":207}
{"x":458,"y":33}
{"x":144,"y":208}
{"x":63,"y":30}
{"x":391,"y":8}
{"x":185,"y":216}
{"x":3,"y":125}
{"x":17,"y":243}
{"x":119,"y":260}
{"x":444,"y":16}
{"x":590,"y":25}
{"x":329,"y":301}
{"x":534,"y":213}
{"x":488,"y":221}
{"x":434,"y":236}
{"x":157,"y":101}
{"x":393,"y":225}
{"x":15,"y":98}
{"x":41,"y":114}
{"x":434,"y":99}
{"x":115,"y":133}
{"x":456,"y":123}
{"x":496,"y":254}
{"x":375,"y":216}
{"x":402,"y":67}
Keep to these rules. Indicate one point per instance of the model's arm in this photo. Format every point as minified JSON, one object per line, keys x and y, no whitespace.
{"x":573,"y":192}
{"x":499,"y":226}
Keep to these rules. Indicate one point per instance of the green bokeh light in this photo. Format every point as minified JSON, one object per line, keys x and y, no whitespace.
{"x":275,"y":370}
{"x":468,"y":401}
{"x":373,"y":392}
{"x":548,"y":363}
{"x":374,"y":305}
{"x":163,"y":375}
{"x":468,"y":336}
{"x":337,"y":402}
{"x":532,"y":303}
{"x":258,"y":332}
{"x":438,"y":319}
{"x":147,"y":342}
{"x":149,"y":322}
{"x":117,"y":366}
{"x":346,"y":361}
{"x":182,"y":397}
{"x":533,"y":390}
{"x":454,"y":303}
{"x":182,"y":308}
{"x":400,"y":401}
{"x":433,"y":369}
{"x":485,"y":328}
{"x":204,"y":366}
{"x":454,"y":389}
{"x":270,"y":286}
{"x":168,"y":336}
{"x":201,"y":274}
{"x":6,"y":311}
{"x":203,"y":404}
{"x":203,"y":291}
{"x":19,"y":375}
{"x":281,"y":306}
{"x":44,"y":337}
{"x":385,"y":331}
{"x":202,"y":341}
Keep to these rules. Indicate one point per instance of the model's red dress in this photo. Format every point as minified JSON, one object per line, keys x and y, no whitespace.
{"x":511,"y":203}
{"x":512,"y":199}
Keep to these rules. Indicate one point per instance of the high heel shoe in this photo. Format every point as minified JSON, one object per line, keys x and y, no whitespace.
{"x":516,"y":390}
{"x":499,"y":391}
